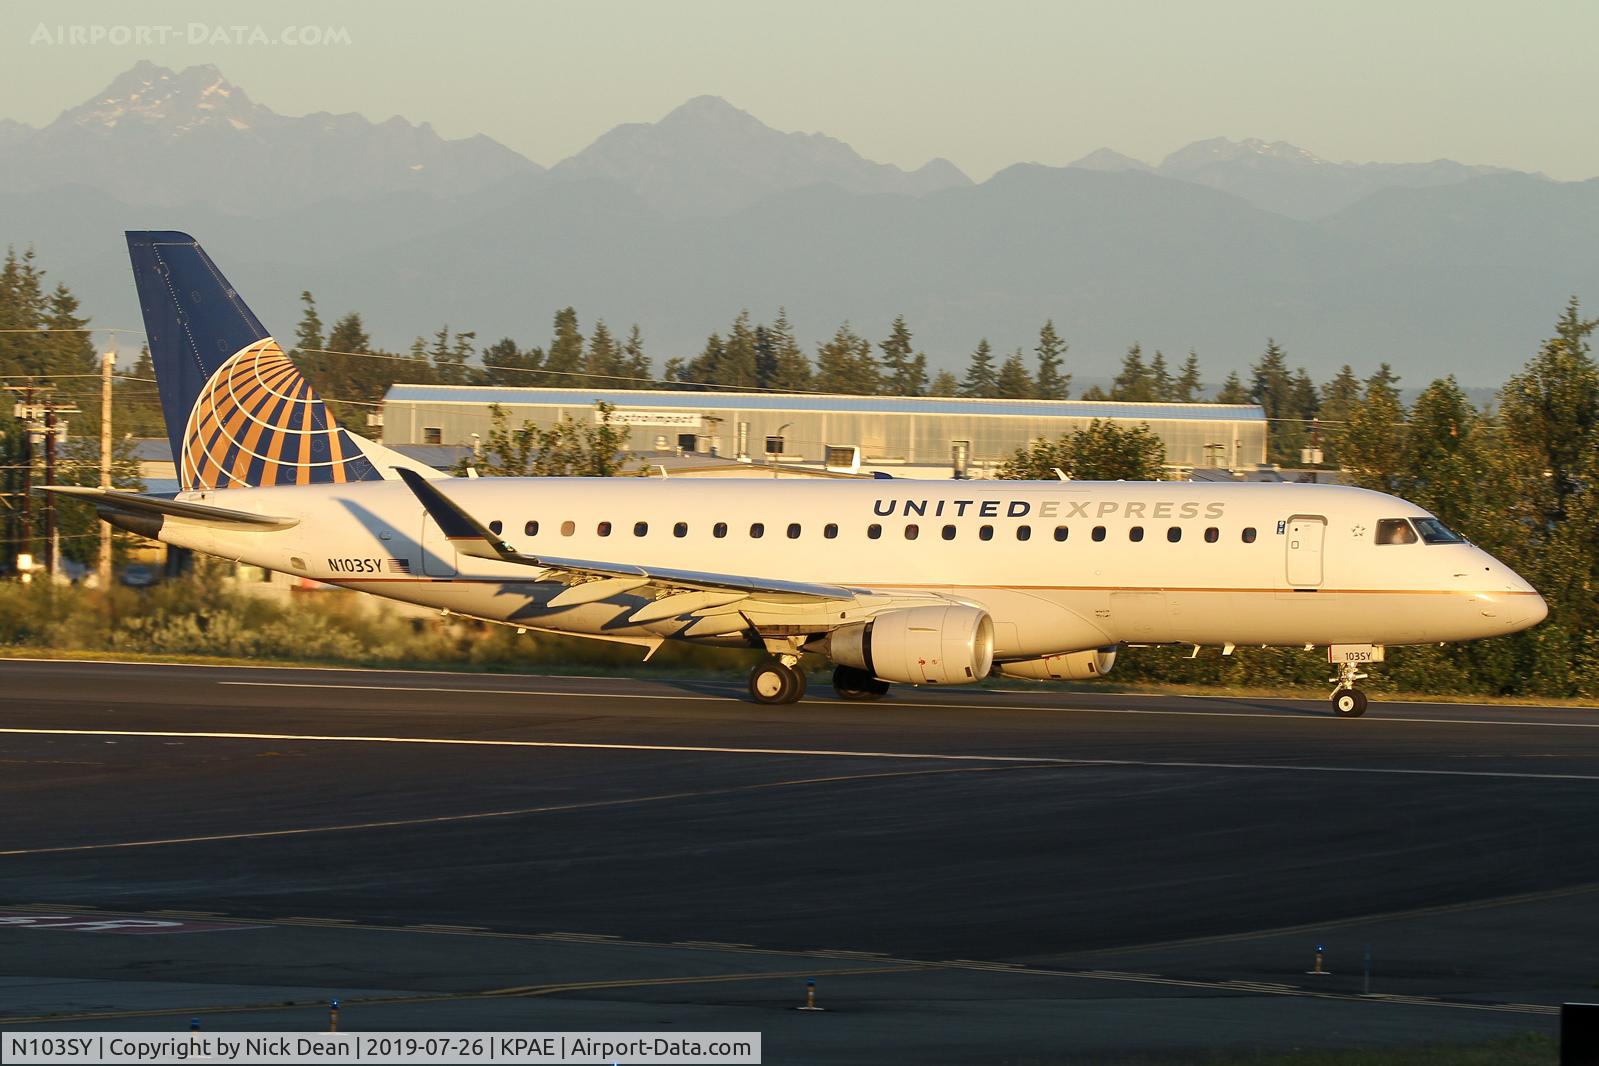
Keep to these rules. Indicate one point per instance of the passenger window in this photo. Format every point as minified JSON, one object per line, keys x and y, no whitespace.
{"x":495,"y":527}
{"x":1099,"y":533}
{"x":680,"y":529}
{"x":793,"y":531}
{"x":567,"y":528}
{"x":603,"y":529}
{"x":1135,"y":534}
{"x":1395,"y":531}
{"x":1212,"y":535}
{"x":1061,"y":532}
{"x":985,"y":533}
{"x":912,"y":531}
{"x":719,"y":530}
{"x":757,"y":530}
{"x":1249,"y":534}
{"x":874,"y":531}
{"x":949,"y":532}
{"x":640,"y":528}
{"x":530,"y":530}
{"x":1024,"y":532}
{"x":830,"y":531}
{"x":1174,"y":534}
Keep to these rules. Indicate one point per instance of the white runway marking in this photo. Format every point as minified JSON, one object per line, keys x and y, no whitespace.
{"x":1042,"y":761}
{"x":1280,"y":716}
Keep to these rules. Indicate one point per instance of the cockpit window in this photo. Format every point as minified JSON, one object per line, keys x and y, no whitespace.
{"x":1395,"y":531}
{"x":1435,"y":532}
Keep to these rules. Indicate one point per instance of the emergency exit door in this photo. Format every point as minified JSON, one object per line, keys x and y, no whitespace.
{"x":1306,"y":535}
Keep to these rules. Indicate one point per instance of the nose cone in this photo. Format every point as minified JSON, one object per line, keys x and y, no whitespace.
{"x":1539,"y":610}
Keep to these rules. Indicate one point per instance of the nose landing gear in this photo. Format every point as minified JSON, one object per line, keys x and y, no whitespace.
{"x":1347,"y":700}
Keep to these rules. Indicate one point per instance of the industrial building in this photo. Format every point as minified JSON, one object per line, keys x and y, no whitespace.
{"x":930,"y":437}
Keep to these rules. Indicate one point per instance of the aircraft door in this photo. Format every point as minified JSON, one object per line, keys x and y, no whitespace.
{"x":1306,"y":536}
{"x":438,"y":554}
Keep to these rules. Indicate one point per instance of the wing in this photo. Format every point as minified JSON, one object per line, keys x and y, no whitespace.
{"x":474,"y":539}
{"x":135,"y":503}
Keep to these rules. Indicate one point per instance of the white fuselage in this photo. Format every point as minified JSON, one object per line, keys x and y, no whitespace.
{"x":1138,"y":562}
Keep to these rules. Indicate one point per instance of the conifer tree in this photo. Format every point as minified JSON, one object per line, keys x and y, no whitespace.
{"x":636,"y":367}
{"x":1189,"y":388}
{"x":981,"y":378}
{"x":308,"y":334}
{"x":1162,"y":387}
{"x":1233,"y":391}
{"x":845,"y":364}
{"x":1052,"y":383}
{"x":563,"y":362}
{"x":791,"y":370}
{"x":1133,"y":382}
{"x":737,"y":367}
{"x":604,"y":358}
{"x":904,"y":370}
{"x":1014,"y":382}
{"x":945,"y":383}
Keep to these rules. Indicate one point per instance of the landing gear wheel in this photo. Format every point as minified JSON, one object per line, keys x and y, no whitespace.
{"x":773,"y":681}
{"x":853,"y":683}
{"x":1349,"y":703}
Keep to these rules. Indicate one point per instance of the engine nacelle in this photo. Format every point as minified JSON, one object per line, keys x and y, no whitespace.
{"x":1074,"y":666}
{"x":945,"y":645}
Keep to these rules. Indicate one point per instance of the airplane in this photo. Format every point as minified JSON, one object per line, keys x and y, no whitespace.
{"x":894,"y":581}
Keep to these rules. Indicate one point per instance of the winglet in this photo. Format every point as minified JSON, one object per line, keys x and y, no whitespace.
{"x":469,"y":535}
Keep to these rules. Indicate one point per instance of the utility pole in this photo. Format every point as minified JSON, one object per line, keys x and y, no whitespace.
{"x":25,"y":549}
{"x":52,"y":545}
{"x":107,"y":365}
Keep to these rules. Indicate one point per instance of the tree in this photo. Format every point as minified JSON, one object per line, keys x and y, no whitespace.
{"x":1162,"y":387}
{"x":945,"y":383}
{"x":1133,"y":382}
{"x":1551,"y":411}
{"x":790,"y":369}
{"x":1052,"y":383}
{"x":570,"y":448}
{"x":563,"y":363}
{"x":1232,"y":390}
{"x":1104,"y":451}
{"x":604,"y":358}
{"x":137,"y":403}
{"x":737,"y":367}
{"x":450,"y":358}
{"x":904,"y":371}
{"x":1338,"y":397}
{"x":1014,"y":382}
{"x":636,"y":368}
{"x":506,"y":364}
{"x":981,"y":379}
{"x":845,"y":364}
{"x":1370,"y":444}
{"x":308,"y":334}
{"x":1188,"y":387}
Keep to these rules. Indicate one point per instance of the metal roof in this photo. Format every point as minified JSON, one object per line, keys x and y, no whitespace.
{"x":761,"y":401}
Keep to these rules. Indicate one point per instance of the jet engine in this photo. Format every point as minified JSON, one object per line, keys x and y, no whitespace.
{"x":943,"y":645}
{"x":1074,"y":666}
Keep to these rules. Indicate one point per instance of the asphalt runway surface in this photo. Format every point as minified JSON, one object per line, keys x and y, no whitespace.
{"x":970,"y":875}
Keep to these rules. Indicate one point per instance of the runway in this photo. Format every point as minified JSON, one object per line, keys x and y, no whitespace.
{"x":986,"y":875}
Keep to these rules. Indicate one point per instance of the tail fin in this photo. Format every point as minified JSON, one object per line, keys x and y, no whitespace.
{"x":238,"y":412}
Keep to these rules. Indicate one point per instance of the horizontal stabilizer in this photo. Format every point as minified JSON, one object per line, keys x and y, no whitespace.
{"x":135,"y":503}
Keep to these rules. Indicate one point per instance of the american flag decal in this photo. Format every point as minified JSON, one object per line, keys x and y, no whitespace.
{"x":399,"y":566}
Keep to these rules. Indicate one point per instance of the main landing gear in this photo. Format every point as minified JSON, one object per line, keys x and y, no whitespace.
{"x":777,"y":680}
{"x":1347,"y":700}
{"x":853,"y":683}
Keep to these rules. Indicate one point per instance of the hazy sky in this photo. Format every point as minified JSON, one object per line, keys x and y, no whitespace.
{"x":983,"y":84}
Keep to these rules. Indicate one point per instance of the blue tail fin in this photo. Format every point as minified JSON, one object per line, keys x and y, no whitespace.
{"x":238,"y":412}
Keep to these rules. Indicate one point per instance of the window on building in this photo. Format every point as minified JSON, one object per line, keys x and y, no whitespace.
{"x":1174,"y":534}
{"x":530,"y":530}
{"x":757,"y":530}
{"x":496,"y":527}
{"x":985,"y":532}
{"x":1099,"y":533}
{"x":680,"y":529}
{"x":1249,"y":534}
{"x":793,"y":531}
{"x":640,"y":529}
{"x":912,"y":531}
{"x":432,"y":435}
{"x":948,"y":532}
{"x":719,"y":530}
{"x":603,"y":529}
{"x":1135,"y":534}
{"x":1024,"y":532}
{"x":830,"y":531}
{"x":1395,"y":531}
{"x":1212,"y":535}
{"x":874,"y":531}
{"x":568,"y":528}
{"x":1061,"y":532}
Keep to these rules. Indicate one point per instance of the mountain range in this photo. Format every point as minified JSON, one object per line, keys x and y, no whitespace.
{"x":677,"y":224}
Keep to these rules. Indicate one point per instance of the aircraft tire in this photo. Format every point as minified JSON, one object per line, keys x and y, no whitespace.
{"x":772,"y":682}
{"x":1349,"y":703}
{"x":853,"y":683}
